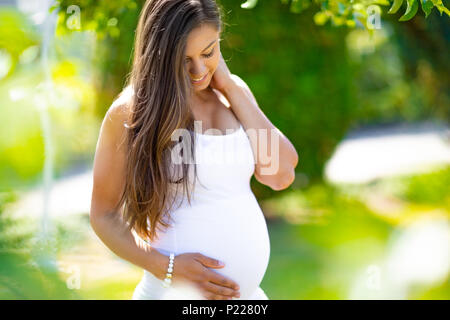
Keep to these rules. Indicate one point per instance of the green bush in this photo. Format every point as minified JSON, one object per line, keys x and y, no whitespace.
{"x":27,"y":270}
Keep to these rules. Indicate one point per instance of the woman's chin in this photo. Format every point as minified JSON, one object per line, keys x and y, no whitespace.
{"x":202,"y":87}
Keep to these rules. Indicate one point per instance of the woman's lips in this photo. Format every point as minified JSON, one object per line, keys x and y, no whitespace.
{"x":201,"y":80}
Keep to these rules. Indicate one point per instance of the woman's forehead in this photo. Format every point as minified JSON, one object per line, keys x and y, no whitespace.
{"x":200,"y":39}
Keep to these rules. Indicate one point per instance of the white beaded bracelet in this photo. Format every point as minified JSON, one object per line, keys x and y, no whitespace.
{"x":168,"y":279}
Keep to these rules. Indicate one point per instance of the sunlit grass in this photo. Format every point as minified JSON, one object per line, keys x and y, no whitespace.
{"x":117,"y":289}
{"x":310,"y":259}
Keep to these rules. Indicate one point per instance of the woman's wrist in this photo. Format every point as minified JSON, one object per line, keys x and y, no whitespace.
{"x":228,"y":87}
{"x":157,"y":264}
{"x":168,"y":277}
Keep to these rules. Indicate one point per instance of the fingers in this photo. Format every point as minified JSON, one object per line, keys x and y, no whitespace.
{"x":213,"y":285}
{"x":217,"y":292}
{"x":209,"y":262}
{"x":221,"y":280}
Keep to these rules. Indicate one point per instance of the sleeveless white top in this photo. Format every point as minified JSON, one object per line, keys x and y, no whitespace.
{"x":223,"y":221}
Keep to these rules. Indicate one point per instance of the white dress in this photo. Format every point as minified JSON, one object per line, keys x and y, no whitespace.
{"x":224,"y":220}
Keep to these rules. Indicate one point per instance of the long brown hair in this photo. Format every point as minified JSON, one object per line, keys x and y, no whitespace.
{"x":159,"y":105}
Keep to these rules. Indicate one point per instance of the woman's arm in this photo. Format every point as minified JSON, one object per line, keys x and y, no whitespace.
{"x":109,"y":175}
{"x":275,"y":156}
{"x":107,"y":222}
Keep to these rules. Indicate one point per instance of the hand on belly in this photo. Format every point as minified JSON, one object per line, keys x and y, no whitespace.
{"x":192,"y":271}
{"x":237,"y":238}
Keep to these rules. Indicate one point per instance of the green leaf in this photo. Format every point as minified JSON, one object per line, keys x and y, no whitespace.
{"x":427,"y":5}
{"x":381,"y":2}
{"x":298,"y":6}
{"x":411,"y":10}
{"x":249,"y":4}
{"x":395,"y":6}
{"x":324,"y":5}
{"x":53,"y":7}
{"x":321,"y":17}
{"x":440,"y":6}
{"x":350,"y":23}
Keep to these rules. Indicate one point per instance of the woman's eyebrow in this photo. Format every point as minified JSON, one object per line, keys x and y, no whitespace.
{"x":209,"y":45}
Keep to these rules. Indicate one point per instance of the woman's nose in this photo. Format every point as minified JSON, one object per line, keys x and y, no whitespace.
{"x":197,"y":69}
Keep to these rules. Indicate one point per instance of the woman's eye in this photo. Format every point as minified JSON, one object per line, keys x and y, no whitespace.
{"x":209,"y":54}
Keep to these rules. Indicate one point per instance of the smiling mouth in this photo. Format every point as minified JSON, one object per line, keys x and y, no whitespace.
{"x":200,"y":79}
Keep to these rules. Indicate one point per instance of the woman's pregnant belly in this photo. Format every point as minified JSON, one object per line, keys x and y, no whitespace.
{"x":232,"y":230}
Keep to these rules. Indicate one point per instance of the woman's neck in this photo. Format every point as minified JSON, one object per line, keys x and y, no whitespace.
{"x":203,"y":96}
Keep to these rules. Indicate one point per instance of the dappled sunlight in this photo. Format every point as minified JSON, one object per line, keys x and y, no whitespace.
{"x":90,"y":267}
{"x":376,"y":241}
{"x":368,"y":215}
{"x":389,"y":152}
{"x":417,"y":258}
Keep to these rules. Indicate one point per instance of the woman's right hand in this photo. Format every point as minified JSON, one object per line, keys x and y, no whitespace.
{"x":193,"y":268}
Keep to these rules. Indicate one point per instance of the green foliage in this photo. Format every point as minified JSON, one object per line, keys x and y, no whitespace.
{"x":427,"y":5}
{"x":331,"y":236}
{"x":104,"y":17}
{"x":70,"y":102}
{"x":440,"y":6}
{"x":21,"y":141}
{"x":26,"y":269}
{"x":309,"y":81}
{"x":114,"y":24}
{"x":17,"y":35}
{"x":352,"y":12}
{"x":411,"y":10}
{"x":395,"y":6}
{"x":298,"y":73}
{"x":432,"y":188}
{"x":329,"y":239}
{"x":73,"y":129}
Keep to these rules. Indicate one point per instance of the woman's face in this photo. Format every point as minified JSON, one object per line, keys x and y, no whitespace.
{"x":202,"y":55}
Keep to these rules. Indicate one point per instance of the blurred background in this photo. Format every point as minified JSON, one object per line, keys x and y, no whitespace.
{"x":363,"y":94}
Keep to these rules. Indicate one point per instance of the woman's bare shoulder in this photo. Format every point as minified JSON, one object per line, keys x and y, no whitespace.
{"x":119,"y":111}
{"x":116,"y":120}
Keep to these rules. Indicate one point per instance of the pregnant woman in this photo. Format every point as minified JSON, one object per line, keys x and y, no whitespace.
{"x":194,"y":227}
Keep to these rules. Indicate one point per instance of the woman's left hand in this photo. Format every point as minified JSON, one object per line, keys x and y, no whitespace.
{"x":222,"y":76}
